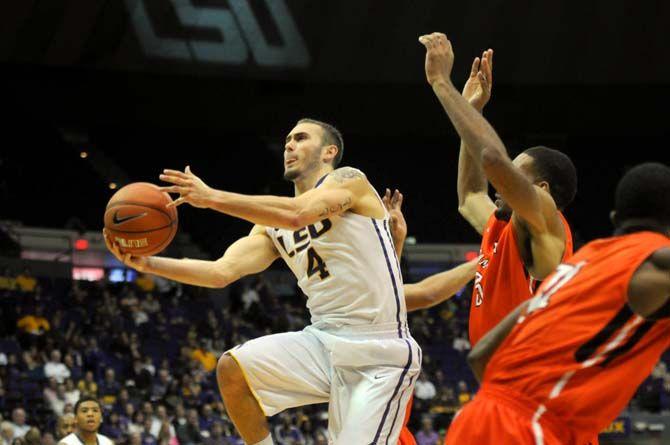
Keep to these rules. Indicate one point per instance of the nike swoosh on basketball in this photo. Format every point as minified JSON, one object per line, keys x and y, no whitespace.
{"x":117,"y":220}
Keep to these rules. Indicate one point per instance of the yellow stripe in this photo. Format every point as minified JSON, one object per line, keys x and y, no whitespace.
{"x":246,"y":378}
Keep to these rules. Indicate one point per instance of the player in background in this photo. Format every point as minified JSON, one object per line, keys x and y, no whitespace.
{"x":564,"y":364}
{"x":88,"y":417}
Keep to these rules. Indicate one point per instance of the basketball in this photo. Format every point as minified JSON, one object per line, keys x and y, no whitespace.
{"x":138,"y":220}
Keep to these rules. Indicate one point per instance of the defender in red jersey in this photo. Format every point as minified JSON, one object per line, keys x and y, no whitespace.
{"x":524,"y":234}
{"x":565,"y":363}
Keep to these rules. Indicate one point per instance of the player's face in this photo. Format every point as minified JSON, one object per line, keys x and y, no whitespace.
{"x":89,"y":416}
{"x":524,"y":163}
{"x":302,"y":150}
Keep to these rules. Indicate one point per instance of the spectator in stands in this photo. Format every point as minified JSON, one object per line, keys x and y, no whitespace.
{"x":461,"y":343}
{"x":286,"y":433}
{"x":139,"y":375}
{"x":33,"y":436}
{"x":160,"y":387}
{"x":464,"y":394}
{"x":34,"y":324}
{"x":26,"y":282}
{"x":72,"y":394}
{"x":112,"y":428}
{"x":424,"y":388}
{"x":137,"y":424}
{"x":109,"y":388}
{"x":163,"y":422}
{"x":427,"y":435}
{"x":216,"y":436}
{"x":55,"y":368}
{"x":65,"y":425}
{"x":145,"y":282}
{"x":87,"y":386}
{"x":189,"y":433}
{"x":204,"y":357}
{"x":150,"y":305}
{"x":6,"y":433}
{"x":51,"y":395}
{"x":147,"y":437}
{"x":19,"y":423}
{"x":206,"y":418}
{"x":48,"y":439}
{"x":75,"y":370}
{"x":7,"y":280}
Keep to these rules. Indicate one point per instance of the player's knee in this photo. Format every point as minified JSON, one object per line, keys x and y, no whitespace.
{"x":229,"y":375}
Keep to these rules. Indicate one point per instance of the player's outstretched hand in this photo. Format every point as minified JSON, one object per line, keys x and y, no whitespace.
{"x":393,"y":203}
{"x":439,"y":57}
{"x":191,"y":188}
{"x":477,"y":89}
{"x":136,"y":262}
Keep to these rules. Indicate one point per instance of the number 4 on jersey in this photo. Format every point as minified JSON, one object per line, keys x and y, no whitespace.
{"x":316,"y":264}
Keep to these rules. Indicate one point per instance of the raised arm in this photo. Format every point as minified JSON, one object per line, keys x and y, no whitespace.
{"x":345,"y":189}
{"x":251,"y":254}
{"x":393,"y":204}
{"x":474,"y":203}
{"x":439,"y":287}
{"x":481,"y":139}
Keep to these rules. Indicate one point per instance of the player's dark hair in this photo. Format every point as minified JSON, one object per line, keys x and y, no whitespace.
{"x":331,"y":136}
{"x":558,"y":170}
{"x":644,"y":193}
{"x":86,"y":399}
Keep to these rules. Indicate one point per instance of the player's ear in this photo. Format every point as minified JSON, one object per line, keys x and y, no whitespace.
{"x":328,"y":153}
{"x":544,"y":185}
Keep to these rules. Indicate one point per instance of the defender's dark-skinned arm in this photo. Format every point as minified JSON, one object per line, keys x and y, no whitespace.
{"x":482,"y":352}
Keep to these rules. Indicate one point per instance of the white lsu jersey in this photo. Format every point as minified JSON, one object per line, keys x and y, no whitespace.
{"x":348,"y":268}
{"x":73,"y":439}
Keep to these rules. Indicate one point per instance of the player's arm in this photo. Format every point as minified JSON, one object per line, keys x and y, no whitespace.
{"x":340,"y":192}
{"x":482,"y":352}
{"x":439,"y":287}
{"x":474,"y":203}
{"x":649,"y":287}
{"x":251,"y":254}
{"x":480,"y":138}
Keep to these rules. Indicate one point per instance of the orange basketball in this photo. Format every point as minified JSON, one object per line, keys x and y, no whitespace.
{"x":138,"y":221}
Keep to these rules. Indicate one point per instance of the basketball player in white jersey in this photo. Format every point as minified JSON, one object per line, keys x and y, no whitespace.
{"x":357,"y":354}
{"x":88,"y":417}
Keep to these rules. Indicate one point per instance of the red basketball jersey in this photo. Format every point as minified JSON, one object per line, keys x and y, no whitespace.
{"x":501,"y":281}
{"x":579,"y":352}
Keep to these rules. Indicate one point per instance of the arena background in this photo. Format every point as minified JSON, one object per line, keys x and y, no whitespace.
{"x":140,"y":85}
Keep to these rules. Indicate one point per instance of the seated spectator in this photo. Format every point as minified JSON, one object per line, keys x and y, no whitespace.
{"x":424,"y":388}
{"x":109,"y":388}
{"x":206,"y":418}
{"x":55,"y":368}
{"x":286,"y":433}
{"x":19,"y":424}
{"x":25,"y":281}
{"x":87,"y":386}
{"x":33,"y":436}
{"x":48,"y":439}
{"x":163,"y":422}
{"x":147,"y":437}
{"x":150,"y":305}
{"x":65,"y":425}
{"x":427,"y":435}
{"x":7,"y":280}
{"x":160,"y":387}
{"x":464,"y":394}
{"x":204,"y":357}
{"x":112,"y":428}
{"x":72,"y":394}
{"x":6,"y":433}
{"x":216,"y":436}
{"x":71,"y":364}
{"x":34,"y":324}
{"x":189,"y":433}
